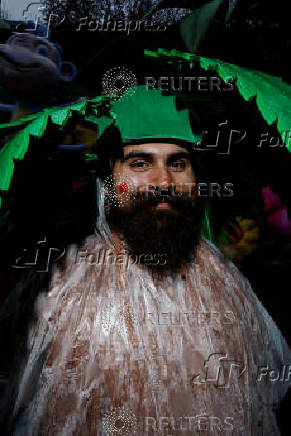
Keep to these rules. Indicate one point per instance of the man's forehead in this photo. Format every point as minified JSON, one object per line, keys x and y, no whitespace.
{"x":155,"y":148}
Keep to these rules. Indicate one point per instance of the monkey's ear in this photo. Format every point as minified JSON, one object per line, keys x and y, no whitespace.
{"x":67,"y":71}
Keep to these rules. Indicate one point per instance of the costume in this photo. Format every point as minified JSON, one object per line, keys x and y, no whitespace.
{"x":109,"y":342}
{"x":114,"y":349}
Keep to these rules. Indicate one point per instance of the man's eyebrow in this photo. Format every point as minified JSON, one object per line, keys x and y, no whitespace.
{"x":180,"y":154}
{"x":137,"y":154}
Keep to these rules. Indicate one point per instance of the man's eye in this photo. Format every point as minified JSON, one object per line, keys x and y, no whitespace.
{"x":177,"y":164}
{"x":139,"y":164}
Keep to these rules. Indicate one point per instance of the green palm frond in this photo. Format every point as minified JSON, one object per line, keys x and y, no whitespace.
{"x":35,"y":125}
{"x":271,"y":93}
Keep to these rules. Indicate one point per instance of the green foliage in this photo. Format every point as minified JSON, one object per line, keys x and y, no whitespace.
{"x":193,"y":27}
{"x":36,"y":125}
{"x":272,"y":94}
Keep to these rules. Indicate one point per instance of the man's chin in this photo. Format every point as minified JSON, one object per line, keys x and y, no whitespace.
{"x":163,"y":210}
{"x":156,"y":230}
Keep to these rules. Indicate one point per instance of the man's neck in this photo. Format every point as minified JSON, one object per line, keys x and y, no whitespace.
{"x":158,"y":273}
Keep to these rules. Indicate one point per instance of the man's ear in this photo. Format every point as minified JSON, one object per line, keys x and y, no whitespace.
{"x":67,"y":71}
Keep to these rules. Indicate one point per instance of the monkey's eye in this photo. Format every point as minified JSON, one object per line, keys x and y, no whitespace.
{"x":43,"y":50}
{"x":21,"y":42}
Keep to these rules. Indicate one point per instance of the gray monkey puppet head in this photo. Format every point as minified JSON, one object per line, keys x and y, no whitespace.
{"x":31,"y":67}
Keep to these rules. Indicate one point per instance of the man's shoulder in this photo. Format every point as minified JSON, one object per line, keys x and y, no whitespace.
{"x":226,"y":276}
{"x":206,"y":246}
{"x":91,"y":242}
{"x":210,"y":257}
{"x":89,"y":246}
{"x":220,"y":268}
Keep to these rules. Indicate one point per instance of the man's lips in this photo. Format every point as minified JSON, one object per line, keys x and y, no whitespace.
{"x":163,"y":205}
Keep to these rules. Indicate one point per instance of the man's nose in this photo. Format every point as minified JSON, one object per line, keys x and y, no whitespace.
{"x":161,"y":176}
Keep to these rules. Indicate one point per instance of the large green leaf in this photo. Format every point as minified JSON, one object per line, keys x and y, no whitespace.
{"x":271,"y":93}
{"x":14,"y":149}
{"x":61,"y":116}
{"x":193,"y":27}
{"x":36,"y":125}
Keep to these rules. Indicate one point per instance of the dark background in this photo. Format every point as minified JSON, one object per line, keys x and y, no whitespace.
{"x":44,"y":200}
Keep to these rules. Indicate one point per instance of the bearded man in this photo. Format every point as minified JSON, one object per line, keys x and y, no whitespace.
{"x":145,"y":328}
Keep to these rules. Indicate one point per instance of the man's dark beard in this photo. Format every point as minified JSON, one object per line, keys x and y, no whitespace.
{"x":147,"y":230}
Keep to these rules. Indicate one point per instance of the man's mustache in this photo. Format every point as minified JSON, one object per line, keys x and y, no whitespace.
{"x":155,"y":195}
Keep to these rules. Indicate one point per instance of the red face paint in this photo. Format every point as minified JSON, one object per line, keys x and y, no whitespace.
{"x":123,"y":188}
{"x":193,"y":188}
{"x":166,"y":180}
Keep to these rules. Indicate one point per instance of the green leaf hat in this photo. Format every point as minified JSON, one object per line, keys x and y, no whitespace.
{"x":146,"y":114}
